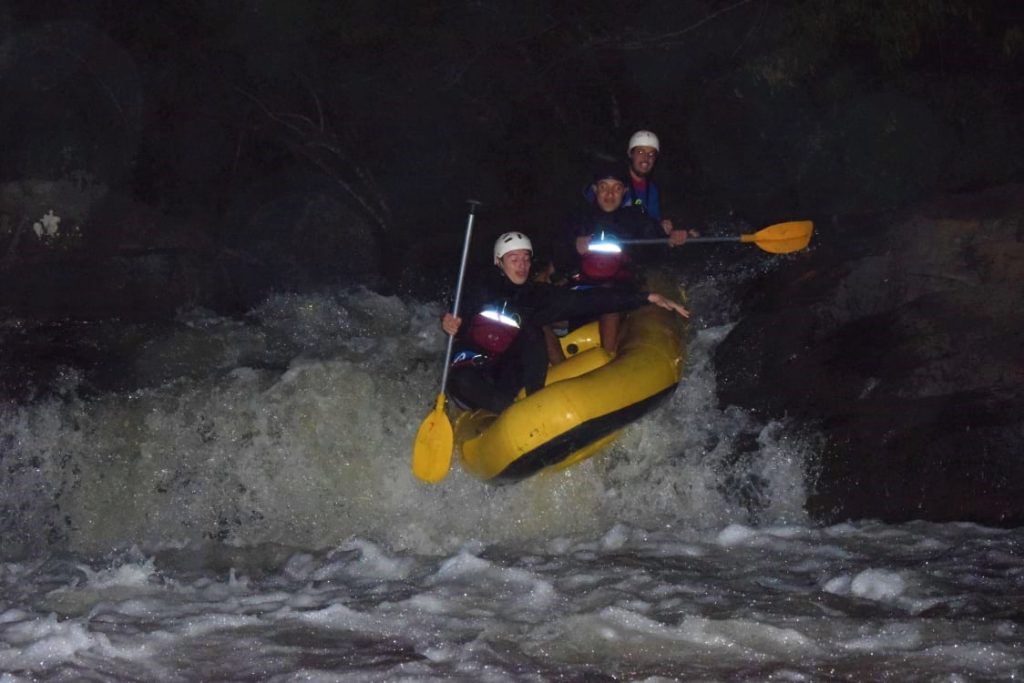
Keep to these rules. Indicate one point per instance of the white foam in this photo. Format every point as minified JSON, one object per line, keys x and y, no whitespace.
{"x":878,"y":584}
{"x":897,"y":636}
{"x":736,"y":534}
{"x":129,"y":575}
{"x":369,"y":561}
{"x":615,"y":538}
{"x":461,"y":565}
{"x":39,"y":644}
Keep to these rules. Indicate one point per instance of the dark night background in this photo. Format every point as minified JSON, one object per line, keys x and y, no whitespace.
{"x":206,"y":152}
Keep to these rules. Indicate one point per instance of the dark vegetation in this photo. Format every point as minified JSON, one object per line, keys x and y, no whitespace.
{"x":299,"y":143}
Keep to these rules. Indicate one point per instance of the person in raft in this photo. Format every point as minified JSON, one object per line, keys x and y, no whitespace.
{"x":605,"y":218}
{"x":502,"y":348}
{"x":641,"y":191}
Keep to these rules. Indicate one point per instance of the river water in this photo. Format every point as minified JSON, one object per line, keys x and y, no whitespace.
{"x":230,"y":500}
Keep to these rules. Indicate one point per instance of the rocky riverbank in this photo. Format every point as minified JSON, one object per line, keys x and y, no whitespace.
{"x":901,"y":337}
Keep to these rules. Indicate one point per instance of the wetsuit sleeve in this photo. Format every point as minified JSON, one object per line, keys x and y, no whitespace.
{"x":649,"y":228}
{"x":560,"y":303}
{"x":631,"y":222}
{"x":580,"y":222}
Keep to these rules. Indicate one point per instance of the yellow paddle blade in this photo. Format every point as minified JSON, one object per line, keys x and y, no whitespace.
{"x":782,"y":238}
{"x":432,"y":451}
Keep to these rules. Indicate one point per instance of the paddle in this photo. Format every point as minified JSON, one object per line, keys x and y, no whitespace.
{"x":781,"y":238}
{"x":432,"y":450}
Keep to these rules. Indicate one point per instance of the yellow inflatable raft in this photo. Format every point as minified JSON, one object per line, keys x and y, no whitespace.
{"x":586,"y":402}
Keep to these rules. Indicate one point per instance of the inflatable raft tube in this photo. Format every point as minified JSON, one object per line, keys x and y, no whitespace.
{"x":586,"y":402}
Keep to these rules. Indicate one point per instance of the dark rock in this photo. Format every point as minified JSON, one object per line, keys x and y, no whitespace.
{"x":310,"y":236}
{"x":147,"y":284}
{"x":901,"y":337}
{"x":879,"y":150}
{"x":114,"y":256}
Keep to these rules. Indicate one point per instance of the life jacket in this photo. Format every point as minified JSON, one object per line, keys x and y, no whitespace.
{"x":644,"y":195}
{"x":493,"y":329}
{"x":598,"y":266}
{"x":601,"y":266}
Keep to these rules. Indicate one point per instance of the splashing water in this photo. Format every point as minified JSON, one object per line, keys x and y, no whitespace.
{"x":299,"y":434}
{"x":244,"y":510}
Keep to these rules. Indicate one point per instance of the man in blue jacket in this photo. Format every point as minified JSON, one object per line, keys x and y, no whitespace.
{"x":642,"y":191}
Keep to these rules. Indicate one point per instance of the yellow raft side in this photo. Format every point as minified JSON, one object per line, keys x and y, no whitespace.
{"x":588,"y":399}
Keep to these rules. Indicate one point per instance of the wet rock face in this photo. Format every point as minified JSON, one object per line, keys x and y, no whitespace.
{"x":901,"y":338}
{"x":79,"y":251}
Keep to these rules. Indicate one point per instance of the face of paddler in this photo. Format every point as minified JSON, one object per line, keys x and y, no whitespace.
{"x":516,"y":265}
{"x":608,"y":194}
{"x":641,"y":160}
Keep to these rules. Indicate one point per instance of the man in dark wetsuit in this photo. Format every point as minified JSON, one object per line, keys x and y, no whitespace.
{"x":491,"y":364}
{"x":605,"y":218}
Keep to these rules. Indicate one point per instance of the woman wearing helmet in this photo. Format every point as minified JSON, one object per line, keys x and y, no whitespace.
{"x":503,"y":348}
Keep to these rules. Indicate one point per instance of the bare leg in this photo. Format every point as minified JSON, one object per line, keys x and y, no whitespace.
{"x":608,"y":324}
{"x":554,"y":348}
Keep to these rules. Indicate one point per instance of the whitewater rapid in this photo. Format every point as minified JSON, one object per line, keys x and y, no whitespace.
{"x":855,"y":602}
{"x":295,"y":427}
{"x":243,"y":509}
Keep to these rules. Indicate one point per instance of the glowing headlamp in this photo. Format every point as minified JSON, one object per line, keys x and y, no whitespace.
{"x":499,"y":315}
{"x":605,"y":244}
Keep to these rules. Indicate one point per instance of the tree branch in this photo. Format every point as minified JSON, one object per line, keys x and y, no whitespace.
{"x":316,"y":143}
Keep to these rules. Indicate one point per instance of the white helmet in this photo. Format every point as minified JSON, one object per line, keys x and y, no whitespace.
{"x":643,"y":138}
{"x":511,"y":241}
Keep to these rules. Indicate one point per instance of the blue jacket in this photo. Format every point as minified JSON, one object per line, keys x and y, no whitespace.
{"x":649,"y":202}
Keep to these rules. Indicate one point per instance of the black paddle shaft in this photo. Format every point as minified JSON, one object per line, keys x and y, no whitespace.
{"x":660,"y":240}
